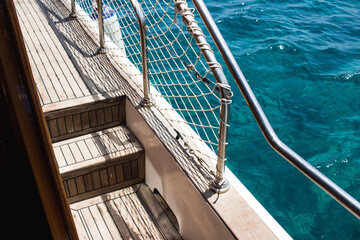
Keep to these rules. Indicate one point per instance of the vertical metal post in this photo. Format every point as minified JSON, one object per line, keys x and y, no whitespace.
{"x":146,"y":101}
{"x":73,"y":13}
{"x":102,"y":49}
{"x":220,"y":184}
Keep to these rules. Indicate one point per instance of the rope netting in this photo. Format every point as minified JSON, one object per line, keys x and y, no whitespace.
{"x":177,"y":68}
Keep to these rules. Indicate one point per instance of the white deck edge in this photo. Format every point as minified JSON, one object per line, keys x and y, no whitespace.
{"x":256,"y":206}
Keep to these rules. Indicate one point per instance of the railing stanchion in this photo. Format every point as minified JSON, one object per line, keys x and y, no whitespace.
{"x":146,"y":101}
{"x":102,"y":49}
{"x":220,"y":184}
{"x":73,"y":13}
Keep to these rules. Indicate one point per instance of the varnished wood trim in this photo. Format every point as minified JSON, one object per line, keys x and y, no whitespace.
{"x":22,"y":99}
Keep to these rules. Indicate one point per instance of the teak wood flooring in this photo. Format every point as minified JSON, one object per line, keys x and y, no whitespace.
{"x":100,"y":161}
{"x":130,"y":213}
{"x":63,"y":56}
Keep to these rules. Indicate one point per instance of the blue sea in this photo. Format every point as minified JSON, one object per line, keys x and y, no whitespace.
{"x":302,"y":60}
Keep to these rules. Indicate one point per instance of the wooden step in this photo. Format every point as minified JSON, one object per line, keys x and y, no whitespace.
{"x":130,"y":213}
{"x":100,"y":162}
{"x":85,"y":118}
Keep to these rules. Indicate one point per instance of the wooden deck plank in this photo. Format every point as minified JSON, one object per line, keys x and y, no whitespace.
{"x":61,"y":126}
{"x":32,"y":41}
{"x":43,"y":48}
{"x":84,"y":149}
{"x":59,"y":157}
{"x":56,"y":74}
{"x":76,"y":153}
{"x":100,"y":223}
{"x":88,"y":182}
{"x":96,"y":180}
{"x":126,"y":216}
{"x":69,"y":158}
{"x":80,"y":227}
{"x":108,"y":143}
{"x":42,"y":91}
{"x":54,"y":132}
{"x":104,"y":178}
{"x":124,"y":139}
{"x":115,"y":140}
{"x":85,"y":120}
{"x":72,"y":188}
{"x":119,"y":173}
{"x":64,"y":58}
{"x":67,"y":66}
{"x":144,"y":216}
{"x":92,"y":147}
{"x":112,"y":175}
{"x":80,"y":184}
{"x":109,"y":222}
{"x":118,"y":220}
{"x":136,"y":216}
{"x":100,"y":145}
{"x":69,"y":124}
{"x":55,"y":55}
{"x":90,"y":223}
{"x":120,"y":215}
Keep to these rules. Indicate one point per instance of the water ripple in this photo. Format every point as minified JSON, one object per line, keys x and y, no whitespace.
{"x":302,"y":59}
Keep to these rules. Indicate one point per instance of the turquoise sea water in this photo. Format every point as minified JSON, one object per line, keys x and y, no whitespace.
{"x":302,"y":60}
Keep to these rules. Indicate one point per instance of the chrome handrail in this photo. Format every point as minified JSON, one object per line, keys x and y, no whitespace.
{"x":102,"y":49}
{"x":146,"y":101}
{"x":307,"y":169}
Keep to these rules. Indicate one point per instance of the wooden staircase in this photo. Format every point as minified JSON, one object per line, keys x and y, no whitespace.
{"x":95,"y":151}
{"x":101,"y":162}
{"x":102,"y":165}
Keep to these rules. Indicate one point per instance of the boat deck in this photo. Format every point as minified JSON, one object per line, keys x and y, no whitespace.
{"x":69,"y":73}
{"x":63,"y":56}
{"x":130,"y":213}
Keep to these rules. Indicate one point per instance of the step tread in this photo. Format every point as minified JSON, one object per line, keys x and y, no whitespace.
{"x":95,"y":149}
{"x":130,"y":213}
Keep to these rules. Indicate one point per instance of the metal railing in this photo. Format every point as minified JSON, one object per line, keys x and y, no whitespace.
{"x":219,"y":183}
{"x":146,"y":101}
{"x":302,"y":165}
{"x":102,"y":49}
